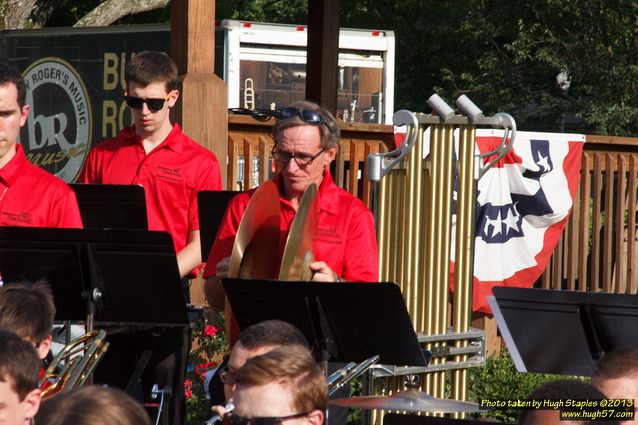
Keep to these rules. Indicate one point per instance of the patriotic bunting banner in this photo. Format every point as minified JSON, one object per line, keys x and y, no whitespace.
{"x":523,"y":203}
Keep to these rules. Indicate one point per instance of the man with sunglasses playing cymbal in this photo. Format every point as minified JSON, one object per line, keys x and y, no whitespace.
{"x":172,"y":168}
{"x":306,"y":142}
{"x":155,"y":153}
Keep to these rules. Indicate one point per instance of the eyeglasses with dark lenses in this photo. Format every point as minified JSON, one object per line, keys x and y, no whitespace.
{"x":306,"y":115}
{"x":232,"y":419}
{"x":301,"y":159}
{"x":154,"y":104}
{"x":226,"y":376}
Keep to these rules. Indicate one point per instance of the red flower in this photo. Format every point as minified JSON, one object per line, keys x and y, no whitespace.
{"x":202,"y":368}
{"x":210,"y":330}
{"x":188,"y":391}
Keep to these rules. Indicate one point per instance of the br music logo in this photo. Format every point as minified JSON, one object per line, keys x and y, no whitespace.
{"x":57,"y":135}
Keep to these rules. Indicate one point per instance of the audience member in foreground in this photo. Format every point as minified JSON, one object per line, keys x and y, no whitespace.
{"x":253,"y":341}
{"x":19,"y":393}
{"x":564,"y":389}
{"x":284,"y":384}
{"x":616,"y":376}
{"x":92,"y":405}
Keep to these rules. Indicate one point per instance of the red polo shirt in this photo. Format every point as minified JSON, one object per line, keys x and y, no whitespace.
{"x":172,"y":174}
{"x":31,"y":197}
{"x":345,"y":237}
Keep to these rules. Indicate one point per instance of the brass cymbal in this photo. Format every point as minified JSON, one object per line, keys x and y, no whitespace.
{"x":256,"y":245}
{"x":409,"y":401}
{"x":298,"y":251}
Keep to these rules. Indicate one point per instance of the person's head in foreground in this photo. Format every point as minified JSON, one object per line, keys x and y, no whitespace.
{"x":283,"y":386}
{"x":19,"y":374}
{"x":256,"y":340}
{"x":92,"y":405}
{"x":563,"y":389}
{"x":616,"y":376}
{"x":27,"y":309}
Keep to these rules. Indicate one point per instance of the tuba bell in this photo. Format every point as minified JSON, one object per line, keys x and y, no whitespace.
{"x":69,"y":370}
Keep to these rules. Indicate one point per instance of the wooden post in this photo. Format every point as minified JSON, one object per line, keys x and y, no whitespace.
{"x":323,"y":53}
{"x":202,"y":110}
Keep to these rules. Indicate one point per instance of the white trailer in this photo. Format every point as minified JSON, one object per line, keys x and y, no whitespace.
{"x":265,"y":68}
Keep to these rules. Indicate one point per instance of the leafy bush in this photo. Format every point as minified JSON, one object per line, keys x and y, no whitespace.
{"x":499,"y":380}
{"x":210,"y":347}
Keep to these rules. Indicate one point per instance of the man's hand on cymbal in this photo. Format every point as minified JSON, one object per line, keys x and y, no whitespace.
{"x":321,"y":272}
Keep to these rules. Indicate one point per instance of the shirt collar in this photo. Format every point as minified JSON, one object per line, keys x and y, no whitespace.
{"x":10,"y":173}
{"x":173,"y":141}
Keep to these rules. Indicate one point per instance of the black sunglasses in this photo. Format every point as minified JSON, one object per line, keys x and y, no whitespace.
{"x":306,"y":115}
{"x":232,"y":419}
{"x":154,"y":104}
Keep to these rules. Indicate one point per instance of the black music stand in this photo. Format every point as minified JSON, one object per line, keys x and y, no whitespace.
{"x":128,"y":280}
{"x":563,"y":332}
{"x":111,"y":206}
{"x":351,"y":321}
{"x":91,"y":272}
{"x":211,"y":208}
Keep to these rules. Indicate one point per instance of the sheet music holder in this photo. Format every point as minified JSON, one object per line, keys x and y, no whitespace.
{"x":111,"y":206}
{"x":135,"y":271}
{"x":571,"y":330}
{"x":212,"y":206}
{"x":352,"y":321}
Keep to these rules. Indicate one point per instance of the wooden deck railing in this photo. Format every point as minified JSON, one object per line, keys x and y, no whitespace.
{"x":597,"y":251}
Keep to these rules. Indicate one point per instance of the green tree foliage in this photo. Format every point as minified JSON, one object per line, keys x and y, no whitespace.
{"x":504,"y":54}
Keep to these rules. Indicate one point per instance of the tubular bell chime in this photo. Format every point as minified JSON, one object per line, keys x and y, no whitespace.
{"x":414,"y":211}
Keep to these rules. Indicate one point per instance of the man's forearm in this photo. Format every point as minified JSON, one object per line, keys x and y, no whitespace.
{"x":189,"y":258}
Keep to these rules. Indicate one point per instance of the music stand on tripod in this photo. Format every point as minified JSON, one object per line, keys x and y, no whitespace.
{"x":119,"y":278}
{"x":347,"y":322}
{"x":572,"y":330}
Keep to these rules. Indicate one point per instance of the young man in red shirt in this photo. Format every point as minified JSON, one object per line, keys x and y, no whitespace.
{"x":28,"y":310}
{"x":29,"y":196}
{"x":172,"y":168}
{"x":306,"y":142}
{"x":155,"y":153}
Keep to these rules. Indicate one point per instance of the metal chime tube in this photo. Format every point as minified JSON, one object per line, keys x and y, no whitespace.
{"x":464,"y":252}
{"x":412,"y":236}
{"x":437,"y":238}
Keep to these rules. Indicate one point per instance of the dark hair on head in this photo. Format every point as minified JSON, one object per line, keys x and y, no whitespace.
{"x":329,"y":130}
{"x":563,"y":389}
{"x":151,"y":67}
{"x":294,"y":367}
{"x":617,"y":364}
{"x":92,"y":405}
{"x":271,"y":332}
{"x":19,"y":364}
{"x":27,"y":309}
{"x":10,"y":75}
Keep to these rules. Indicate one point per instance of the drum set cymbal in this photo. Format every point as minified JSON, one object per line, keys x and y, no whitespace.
{"x":407,"y":401}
